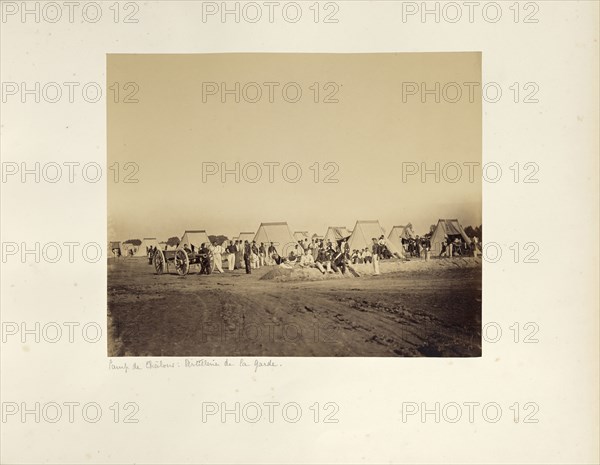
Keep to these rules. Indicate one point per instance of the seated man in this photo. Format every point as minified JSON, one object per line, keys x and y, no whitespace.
{"x":457,"y":247}
{"x":339,"y":262}
{"x":296,"y":253}
{"x":307,"y":260}
{"x":329,"y":254}
{"x":444,"y":252}
{"x":367,"y":256}
{"x":321,"y":260}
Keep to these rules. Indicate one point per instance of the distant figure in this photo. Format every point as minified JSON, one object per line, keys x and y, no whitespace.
{"x":217,"y":257}
{"x":475,"y":246}
{"x":204,"y":259}
{"x":231,"y":251}
{"x":273,"y":255}
{"x":375,"y":251}
{"x":247,"y":255}
{"x":339,"y":262}
{"x":239,"y":257}
{"x":457,"y":247}
{"x":367,"y":256}
{"x":329,"y":255}
{"x":444,"y":252}
{"x":321,"y":259}
{"x":345,"y":248}
{"x":262,"y":255}
{"x":307,"y":259}
{"x":254,"y":261}
{"x":296,"y":253}
{"x":315,"y":249}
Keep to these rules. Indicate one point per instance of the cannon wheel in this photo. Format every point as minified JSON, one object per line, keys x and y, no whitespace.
{"x":182,"y":262}
{"x":159,"y":261}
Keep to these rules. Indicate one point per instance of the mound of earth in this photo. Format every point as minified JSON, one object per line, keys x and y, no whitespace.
{"x":280,"y":274}
{"x":415,"y":265}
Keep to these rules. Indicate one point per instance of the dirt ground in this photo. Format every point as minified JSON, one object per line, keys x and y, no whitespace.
{"x":414,"y":308}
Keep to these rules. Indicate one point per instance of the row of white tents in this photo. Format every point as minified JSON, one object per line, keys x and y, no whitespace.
{"x":281,"y":236}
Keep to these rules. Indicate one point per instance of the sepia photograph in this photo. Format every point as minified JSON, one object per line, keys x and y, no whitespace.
{"x":295,"y":205}
{"x":245,"y":232}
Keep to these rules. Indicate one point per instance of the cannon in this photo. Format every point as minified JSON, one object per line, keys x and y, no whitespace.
{"x":182,"y":259}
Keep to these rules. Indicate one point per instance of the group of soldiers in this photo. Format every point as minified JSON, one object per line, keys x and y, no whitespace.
{"x":416,"y":247}
{"x":327,"y":256}
{"x":457,"y":247}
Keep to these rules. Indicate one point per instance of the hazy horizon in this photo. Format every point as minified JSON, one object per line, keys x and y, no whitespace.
{"x":176,"y":129}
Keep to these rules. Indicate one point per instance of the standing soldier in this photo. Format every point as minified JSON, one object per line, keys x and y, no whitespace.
{"x":272,"y":252}
{"x":239,"y":256}
{"x":262,"y":254}
{"x":203,"y":252}
{"x":217,"y":257}
{"x":231,"y":251}
{"x":375,"y":251}
{"x":254,"y":259}
{"x":247,"y":254}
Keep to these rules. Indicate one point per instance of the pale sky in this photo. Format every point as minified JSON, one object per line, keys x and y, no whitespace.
{"x":171,"y":134}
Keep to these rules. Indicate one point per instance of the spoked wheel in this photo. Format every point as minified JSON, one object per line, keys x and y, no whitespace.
{"x":159,"y":261}
{"x":182,"y":262}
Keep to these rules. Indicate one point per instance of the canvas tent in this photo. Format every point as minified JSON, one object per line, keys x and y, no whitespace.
{"x":301,"y":235}
{"x":447,"y":230}
{"x":113,"y":248}
{"x":194,"y":237}
{"x":246,"y":236}
{"x":400,"y":232}
{"x":128,"y":249}
{"x":365,"y":231}
{"x":146,"y":242}
{"x":336,"y":233}
{"x":277,"y":233}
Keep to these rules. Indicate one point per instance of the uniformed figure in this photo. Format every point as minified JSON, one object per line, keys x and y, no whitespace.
{"x":254,"y":261}
{"x":204,"y":259}
{"x":231,"y":251}
{"x":217,"y":257}
{"x":273,"y":255}
{"x":247,"y":256}
{"x":262,"y":254}
{"x":239,"y":256}
{"x":375,"y":250}
{"x":338,"y":262}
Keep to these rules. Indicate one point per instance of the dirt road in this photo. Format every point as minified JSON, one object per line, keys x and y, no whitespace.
{"x":432,"y":312}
